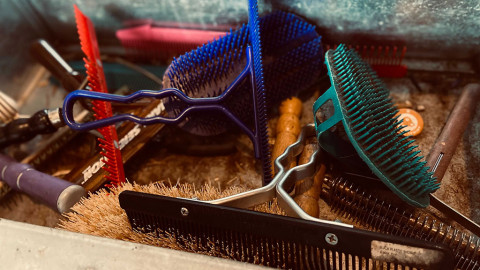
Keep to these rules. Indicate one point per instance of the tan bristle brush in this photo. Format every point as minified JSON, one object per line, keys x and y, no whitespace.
{"x":100,"y":213}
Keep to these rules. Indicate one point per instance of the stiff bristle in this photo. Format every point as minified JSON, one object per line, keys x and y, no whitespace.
{"x":370,"y":118}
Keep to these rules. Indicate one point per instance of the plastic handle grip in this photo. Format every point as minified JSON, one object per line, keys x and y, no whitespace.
{"x":54,"y":192}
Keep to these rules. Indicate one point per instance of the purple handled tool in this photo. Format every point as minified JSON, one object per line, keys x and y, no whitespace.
{"x":54,"y":192}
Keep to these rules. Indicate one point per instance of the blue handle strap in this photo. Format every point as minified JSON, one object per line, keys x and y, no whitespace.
{"x":337,"y":116}
{"x":195,"y":105}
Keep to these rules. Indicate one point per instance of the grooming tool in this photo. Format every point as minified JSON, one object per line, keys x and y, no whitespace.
{"x":201,"y":83}
{"x":275,"y":241}
{"x":359,"y":206}
{"x":288,"y":127}
{"x":147,"y":42}
{"x":386,"y":61}
{"x":361,"y":103}
{"x":54,"y":192}
{"x":445,"y":145}
{"x":286,"y":158}
{"x":50,"y":59}
{"x":113,"y":163}
{"x":267,"y":193}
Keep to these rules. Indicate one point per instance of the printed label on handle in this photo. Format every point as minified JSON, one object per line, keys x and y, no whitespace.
{"x":390,"y":252}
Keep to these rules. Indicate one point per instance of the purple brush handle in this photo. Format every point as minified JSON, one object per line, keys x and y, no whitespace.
{"x":54,"y":192}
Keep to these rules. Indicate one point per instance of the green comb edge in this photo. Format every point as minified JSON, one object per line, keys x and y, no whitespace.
{"x":339,"y":115}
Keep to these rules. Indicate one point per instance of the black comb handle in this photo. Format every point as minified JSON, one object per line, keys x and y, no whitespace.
{"x":276,"y":241}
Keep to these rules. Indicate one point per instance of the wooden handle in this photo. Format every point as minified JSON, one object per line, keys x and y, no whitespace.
{"x":445,"y":145}
{"x":288,"y":126}
{"x":307,"y":191}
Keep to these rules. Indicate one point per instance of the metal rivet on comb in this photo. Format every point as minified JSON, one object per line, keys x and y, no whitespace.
{"x":331,"y":239}
{"x":184,"y":211}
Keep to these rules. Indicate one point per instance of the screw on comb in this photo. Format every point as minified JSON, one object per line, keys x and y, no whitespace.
{"x":210,"y":80}
{"x":361,"y":103}
{"x":97,"y":83}
{"x":274,"y":240}
{"x":386,"y":60}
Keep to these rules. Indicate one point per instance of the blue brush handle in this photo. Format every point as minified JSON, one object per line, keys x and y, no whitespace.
{"x":193,"y":105}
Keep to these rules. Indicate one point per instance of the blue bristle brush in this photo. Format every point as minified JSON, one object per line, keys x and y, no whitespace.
{"x":212,"y":88}
{"x":361,"y":102}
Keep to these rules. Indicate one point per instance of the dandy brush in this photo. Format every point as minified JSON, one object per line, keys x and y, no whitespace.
{"x":97,"y":83}
{"x":227,"y":83}
{"x":362,"y":105}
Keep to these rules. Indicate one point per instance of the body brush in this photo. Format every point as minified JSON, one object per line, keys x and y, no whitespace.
{"x":225,"y":84}
{"x":361,"y":102}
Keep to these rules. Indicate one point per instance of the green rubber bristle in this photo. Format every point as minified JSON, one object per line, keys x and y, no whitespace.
{"x":362,"y":103}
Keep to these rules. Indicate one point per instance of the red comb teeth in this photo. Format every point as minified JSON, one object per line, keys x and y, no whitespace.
{"x":385,"y":60}
{"x":96,"y":81}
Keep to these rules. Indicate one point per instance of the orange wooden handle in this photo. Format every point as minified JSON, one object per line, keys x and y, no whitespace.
{"x":288,"y":126}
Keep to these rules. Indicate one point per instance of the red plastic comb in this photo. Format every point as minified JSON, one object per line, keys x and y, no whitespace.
{"x":113,"y":163}
{"x":150,"y":42}
{"x":385,"y":60}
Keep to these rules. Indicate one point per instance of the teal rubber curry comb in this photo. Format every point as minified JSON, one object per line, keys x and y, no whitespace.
{"x":361,"y":102}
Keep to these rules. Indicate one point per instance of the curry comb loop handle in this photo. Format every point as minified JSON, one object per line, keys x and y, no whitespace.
{"x":194,"y":105}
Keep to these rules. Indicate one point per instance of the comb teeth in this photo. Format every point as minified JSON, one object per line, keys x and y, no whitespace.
{"x":113,"y":163}
{"x":260,"y":101}
{"x":369,"y":117}
{"x":352,"y":202}
{"x":259,"y":238}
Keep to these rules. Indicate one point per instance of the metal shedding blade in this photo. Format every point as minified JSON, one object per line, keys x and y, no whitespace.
{"x":113,"y":163}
